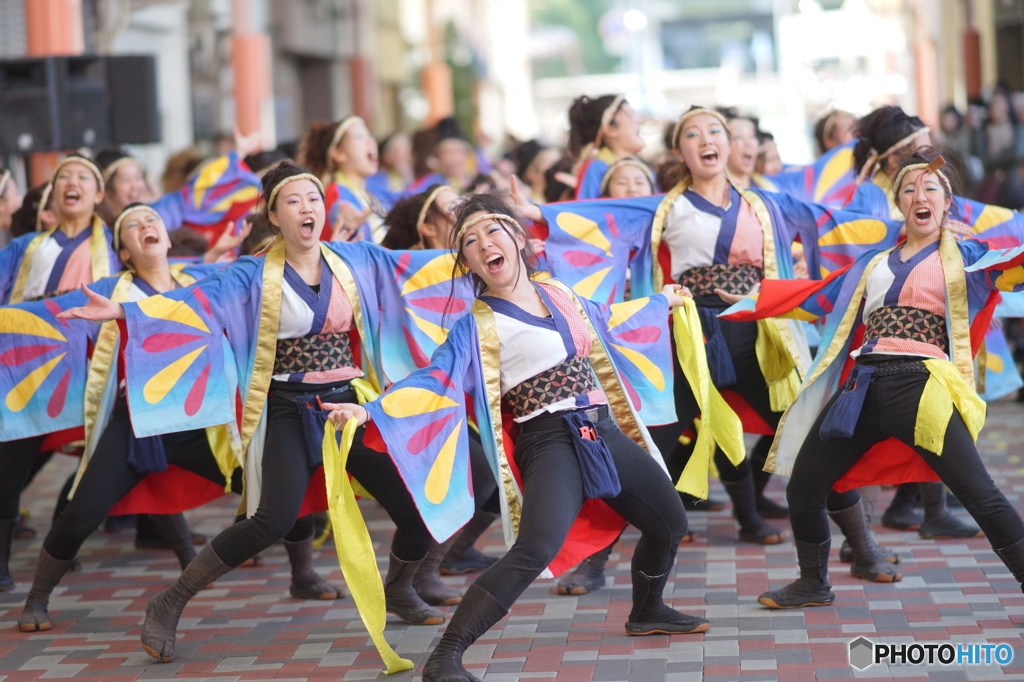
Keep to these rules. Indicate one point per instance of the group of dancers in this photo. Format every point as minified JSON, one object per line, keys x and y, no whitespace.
{"x":569,"y":367}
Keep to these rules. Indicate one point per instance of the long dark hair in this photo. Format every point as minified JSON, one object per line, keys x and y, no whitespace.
{"x":585,"y":121}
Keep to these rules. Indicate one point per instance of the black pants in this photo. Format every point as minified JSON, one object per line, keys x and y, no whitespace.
{"x":890,"y":410}
{"x":108,"y":477}
{"x":553,"y":496}
{"x":286,"y":475}
{"x":17,"y":461}
{"x":740,"y":338}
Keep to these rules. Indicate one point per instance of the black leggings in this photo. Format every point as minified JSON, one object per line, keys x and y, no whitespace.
{"x":553,"y":496}
{"x":17,"y":462}
{"x":740,"y":338}
{"x":890,"y":411}
{"x":286,"y":475}
{"x":108,"y":477}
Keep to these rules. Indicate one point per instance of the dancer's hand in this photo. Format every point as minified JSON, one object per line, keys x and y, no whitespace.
{"x":342,"y":412}
{"x":525,"y":208}
{"x":228,"y":241}
{"x":736,"y":298}
{"x":675,"y":293}
{"x":99,"y":309}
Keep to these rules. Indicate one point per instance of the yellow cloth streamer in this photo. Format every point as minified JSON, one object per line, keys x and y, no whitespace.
{"x":358,"y":562}
{"x":945,"y":390}
{"x":718,"y":424}
{"x":777,"y":366}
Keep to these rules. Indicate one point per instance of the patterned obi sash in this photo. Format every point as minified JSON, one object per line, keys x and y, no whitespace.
{"x":905,"y":322}
{"x":314,"y":353}
{"x":571,"y":378}
{"x":733,"y":279}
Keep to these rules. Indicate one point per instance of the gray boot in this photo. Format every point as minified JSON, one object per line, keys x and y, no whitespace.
{"x":939,"y":523}
{"x":427,"y":582}
{"x":173,"y":528}
{"x":1013,"y":557}
{"x":812,"y":587}
{"x":744,"y":507}
{"x":35,"y":617}
{"x":164,"y":610}
{"x":478,"y":611}
{"x":306,"y":582}
{"x":868,"y":498}
{"x":462,"y":556}
{"x":7,"y":527}
{"x":401,"y":599}
{"x":588,"y":576}
{"x":869,"y":562}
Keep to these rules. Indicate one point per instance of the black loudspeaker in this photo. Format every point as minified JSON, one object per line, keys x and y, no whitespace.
{"x":29,"y":106}
{"x":58,"y":103}
{"x":131,"y":87}
{"x":85,"y":107}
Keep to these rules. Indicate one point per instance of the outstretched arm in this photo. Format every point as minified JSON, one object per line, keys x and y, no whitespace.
{"x":98,"y":309}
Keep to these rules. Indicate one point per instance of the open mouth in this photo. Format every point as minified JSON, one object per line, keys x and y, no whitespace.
{"x":709,"y":157}
{"x":308,"y":225}
{"x":923,"y":215}
{"x":150,"y":239}
{"x":72,"y":196}
{"x":494,"y":263}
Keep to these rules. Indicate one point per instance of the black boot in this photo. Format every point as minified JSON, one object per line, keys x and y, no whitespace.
{"x":939,"y":523}
{"x":6,"y":537}
{"x":164,"y":610}
{"x":35,"y":617}
{"x":1013,"y":557}
{"x":428,"y":583}
{"x":812,"y":587}
{"x":869,"y":561}
{"x":462,"y":556}
{"x":588,"y":576}
{"x":744,"y":507}
{"x":401,"y":599}
{"x":173,"y":528}
{"x":477,"y":612}
{"x":650,"y":615}
{"x":306,"y":582}
{"x":868,"y":498}
{"x":901,"y":514}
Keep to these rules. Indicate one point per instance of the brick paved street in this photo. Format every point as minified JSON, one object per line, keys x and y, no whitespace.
{"x":247,"y":627}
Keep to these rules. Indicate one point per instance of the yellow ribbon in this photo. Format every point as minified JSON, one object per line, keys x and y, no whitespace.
{"x":358,"y":562}
{"x":718,"y":423}
{"x":777,"y":365}
{"x":945,"y":390}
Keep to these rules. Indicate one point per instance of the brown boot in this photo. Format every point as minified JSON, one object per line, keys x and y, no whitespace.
{"x":401,"y":599}
{"x":35,"y":617}
{"x":428,"y":583}
{"x":306,"y":582}
{"x":164,"y":610}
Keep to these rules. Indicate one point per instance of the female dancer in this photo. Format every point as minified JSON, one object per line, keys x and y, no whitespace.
{"x":40,"y":265}
{"x":569,"y":448}
{"x":315,"y":309}
{"x":601,"y":131}
{"x":388,"y":184}
{"x":923,"y":307}
{"x":627,"y":177}
{"x":343,"y":155}
{"x":115,"y":461}
{"x":744,"y":146}
{"x":720,"y":241}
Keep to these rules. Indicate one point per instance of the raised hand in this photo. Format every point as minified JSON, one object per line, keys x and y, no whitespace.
{"x":347,"y":227}
{"x":99,"y":309}
{"x":525,"y":208}
{"x":342,"y":412}
{"x":227,"y":242}
{"x":247,"y":145}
